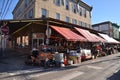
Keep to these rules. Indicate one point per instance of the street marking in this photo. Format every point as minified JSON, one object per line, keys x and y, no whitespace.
{"x":70,"y":76}
{"x":94,"y":67}
{"x":25,"y":71}
{"x":39,"y":74}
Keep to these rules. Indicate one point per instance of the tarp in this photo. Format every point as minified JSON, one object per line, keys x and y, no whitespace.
{"x":99,"y":38}
{"x":68,"y":34}
{"x":89,"y":36}
{"x":108,"y":38}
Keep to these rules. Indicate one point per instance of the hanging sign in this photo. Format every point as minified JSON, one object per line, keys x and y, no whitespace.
{"x":48,"y":32}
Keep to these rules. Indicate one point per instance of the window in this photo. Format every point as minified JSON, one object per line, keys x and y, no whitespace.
{"x":26,"y":3}
{"x":57,"y":16}
{"x":85,"y":13}
{"x":44,"y":12}
{"x":80,"y":23}
{"x":74,"y":21}
{"x":62,"y":2}
{"x":80,"y":11}
{"x":57,"y":2}
{"x":67,"y":19}
{"x":74,"y":8}
{"x":31,"y":13}
{"x":90,"y":14}
{"x":67,"y":4}
{"x":18,"y":41}
{"x":25,"y":41}
{"x":85,"y":24}
{"x":25,"y":16}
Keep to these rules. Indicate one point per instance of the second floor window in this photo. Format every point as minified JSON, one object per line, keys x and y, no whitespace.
{"x":80,"y":23}
{"x":67,"y":19}
{"x":74,"y":21}
{"x":57,"y":16}
{"x":44,"y":12}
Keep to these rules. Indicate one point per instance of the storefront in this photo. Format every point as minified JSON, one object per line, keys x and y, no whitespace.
{"x":50,"y":35}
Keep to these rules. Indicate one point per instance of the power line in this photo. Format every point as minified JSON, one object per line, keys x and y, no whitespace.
{"x":7,"y":9}
{"x":2,"y":8}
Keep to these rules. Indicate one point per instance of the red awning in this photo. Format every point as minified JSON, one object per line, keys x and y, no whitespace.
{"x":99,"y":38}
{"x":89,"y":36}
{"x":68,"y":34}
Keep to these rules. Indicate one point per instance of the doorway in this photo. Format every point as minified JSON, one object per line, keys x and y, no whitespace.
{"x":36,"y":43}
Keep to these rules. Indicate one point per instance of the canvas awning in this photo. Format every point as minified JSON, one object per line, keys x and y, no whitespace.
{"x":89,"y":36}
{"x":108,"y":39}
{"x":68,"y":34}
{"x":99,"y":38}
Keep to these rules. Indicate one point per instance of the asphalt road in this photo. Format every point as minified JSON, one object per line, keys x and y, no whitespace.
{"x":102,"y":68}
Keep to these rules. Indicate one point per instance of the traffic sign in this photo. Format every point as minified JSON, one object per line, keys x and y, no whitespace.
{"x":5,"y":30}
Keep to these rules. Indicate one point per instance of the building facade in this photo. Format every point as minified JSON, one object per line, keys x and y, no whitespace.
{"x":72,"y":11}
{"x":108,"y":27}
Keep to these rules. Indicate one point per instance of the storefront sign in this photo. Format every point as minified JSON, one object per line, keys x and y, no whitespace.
{"x":37,"y":35}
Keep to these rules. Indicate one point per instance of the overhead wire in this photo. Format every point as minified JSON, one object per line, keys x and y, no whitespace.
{"x":7,"y":9}
{"x":2,"y":8}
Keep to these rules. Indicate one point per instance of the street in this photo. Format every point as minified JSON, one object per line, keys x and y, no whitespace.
{"x":102,"y":68}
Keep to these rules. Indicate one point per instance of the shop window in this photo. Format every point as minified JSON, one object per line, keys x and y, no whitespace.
{"x":18,"y":41}
{"x":24,"y":41}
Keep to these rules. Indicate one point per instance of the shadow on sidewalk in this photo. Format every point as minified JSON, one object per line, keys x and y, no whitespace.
{"x":14,"y":62}
{"x":115,"y":76}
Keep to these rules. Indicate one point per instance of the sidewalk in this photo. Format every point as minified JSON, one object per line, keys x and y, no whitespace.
{"x":13,"y":61}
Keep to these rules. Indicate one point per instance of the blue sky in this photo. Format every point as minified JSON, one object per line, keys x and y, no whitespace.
{"x":9,"y":10}
{"x":103,"y":10}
